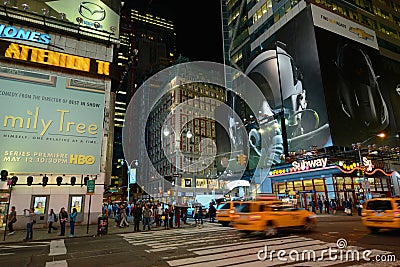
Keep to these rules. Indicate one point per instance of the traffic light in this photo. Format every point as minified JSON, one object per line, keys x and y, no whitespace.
{"x":14,"y":180}
{"x":59,"y":180}
{"x":85,"y":180}
{"x":242,"y":159}
{"x":4,"y":175}
{"x":45,"y":180}
{"x":29,"y":180}
{"x":73,"y":180}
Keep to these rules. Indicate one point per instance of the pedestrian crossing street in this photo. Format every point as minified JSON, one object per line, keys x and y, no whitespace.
{"x":220,"y":246}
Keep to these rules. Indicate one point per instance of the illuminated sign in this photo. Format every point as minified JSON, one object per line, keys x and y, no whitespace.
{"x":368,"y":164}
{"x":94,"y":14}
{"x":11,"y":32}
{"x":307,"y":164}
{"x":49,"y":124}
{"x":302,"y":165}
{"x":92,"y":11}
{"x":57,"y":59}
{"x":334,"y":23}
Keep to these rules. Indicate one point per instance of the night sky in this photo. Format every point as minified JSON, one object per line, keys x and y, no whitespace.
{"x":197,"y":24}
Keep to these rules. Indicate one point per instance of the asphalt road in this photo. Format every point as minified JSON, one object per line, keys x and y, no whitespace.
{"x":211,"y":245}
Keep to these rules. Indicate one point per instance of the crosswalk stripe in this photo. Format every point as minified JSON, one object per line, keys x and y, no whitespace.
{"x":6,"y":254}
{"x":181,"y":242}
{"x":245,"y":246}
{"x":236,"y":250}
{"x":240,"y":243}
{"x":233,"y":258}
{"x":57,"y":247}
{"x":62,"y":263}
{"x":234,"y":255}
{"x":172,"y":241}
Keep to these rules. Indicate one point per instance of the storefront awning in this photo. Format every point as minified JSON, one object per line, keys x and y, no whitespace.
{"x":328,"y":171}
{"x":237,"y":183}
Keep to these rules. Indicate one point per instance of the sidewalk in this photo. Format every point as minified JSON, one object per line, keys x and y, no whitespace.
{"x":40,"y":234}
{"x":339,"y":216}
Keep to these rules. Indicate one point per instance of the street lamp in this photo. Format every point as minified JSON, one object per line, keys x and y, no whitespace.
{"x":129,"y":173}
{"x":166,"y":132}
{"x":358,"y":147}
{"x":278,"y":46}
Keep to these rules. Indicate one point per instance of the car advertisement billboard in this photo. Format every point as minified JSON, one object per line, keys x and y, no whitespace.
{"x":295,"y":80}
{"x":50,"y":124}
{"x":95,"y":14}
{"x":360,"y":84}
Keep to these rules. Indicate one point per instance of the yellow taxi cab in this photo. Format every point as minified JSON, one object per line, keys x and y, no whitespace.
{"x":225,"y":212}
{"x":381,"y":213}
{"x":271,"y":216}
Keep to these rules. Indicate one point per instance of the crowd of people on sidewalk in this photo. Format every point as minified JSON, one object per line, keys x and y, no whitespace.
{"x":63,"y":217}
{"x":149,"y":214}
{"x":327,"y":206}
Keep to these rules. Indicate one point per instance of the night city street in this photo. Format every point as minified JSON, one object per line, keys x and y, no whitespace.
{"x":213,"y":133}
{"x":211,"y":245}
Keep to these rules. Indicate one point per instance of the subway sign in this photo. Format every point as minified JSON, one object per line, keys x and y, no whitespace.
{"x":11,"y":32}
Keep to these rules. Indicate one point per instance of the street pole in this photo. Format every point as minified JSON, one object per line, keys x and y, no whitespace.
{"x":8,"y":210}
{"x":129,"y":181}
{"x":283,"y":121}
{"x":381,"y":135}
{"x":88,"y":216}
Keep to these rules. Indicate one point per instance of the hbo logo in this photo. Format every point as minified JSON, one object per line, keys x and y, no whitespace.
{"x":81,"y":159}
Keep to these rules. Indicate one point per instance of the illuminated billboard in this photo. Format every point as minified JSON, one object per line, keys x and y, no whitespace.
{"x":361,"y":86}
{"x":95,"y":14}
{"x":50,"y":124}
{"x":299,"y":86}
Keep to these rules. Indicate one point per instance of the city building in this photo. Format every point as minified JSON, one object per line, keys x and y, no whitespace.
{"x":56,"y":59}
{"x":183,"y":158}
{"x":147,"y":45}
{"x":331,"y":54}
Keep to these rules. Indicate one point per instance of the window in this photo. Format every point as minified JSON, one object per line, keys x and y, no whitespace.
{"x":225,"y":206}
{"x":319,"y":185}
{"x":379,"y":205}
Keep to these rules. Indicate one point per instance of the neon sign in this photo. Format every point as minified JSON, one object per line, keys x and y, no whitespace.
{"x":56,"y":59}
{"x":303,"y":165}
{"x":11,"y":32}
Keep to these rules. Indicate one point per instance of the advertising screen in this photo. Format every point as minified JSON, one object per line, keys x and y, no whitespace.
{"x":76,"y":202}
{"x":40,"y":205}
{"x":361,"y":86}
{"x":95,"y":14}
{"x":295,"y":80}
{"x":50,"y":124}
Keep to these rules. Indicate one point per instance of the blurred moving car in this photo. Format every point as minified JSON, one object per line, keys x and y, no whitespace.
{"x":271,"y":216}
{"x":225,"y":212}
{"x":381,"y":213}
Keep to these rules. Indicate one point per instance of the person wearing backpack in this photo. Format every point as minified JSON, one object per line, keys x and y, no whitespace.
{"x":52,"y":219}
{"x":12,"y":218}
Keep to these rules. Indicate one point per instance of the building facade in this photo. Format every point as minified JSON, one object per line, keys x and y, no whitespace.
{"x":55,"y":83}
{"x":147,"y":45}
{"x":327,"y":56}
{"x":184,"y":158}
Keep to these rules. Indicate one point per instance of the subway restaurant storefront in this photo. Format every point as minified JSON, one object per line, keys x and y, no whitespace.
{"x":304,"y":180}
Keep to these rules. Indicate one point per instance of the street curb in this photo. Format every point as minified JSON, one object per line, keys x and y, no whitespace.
{"x":154,"y":229}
